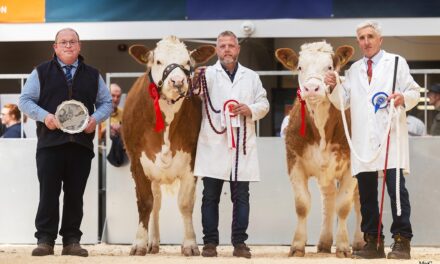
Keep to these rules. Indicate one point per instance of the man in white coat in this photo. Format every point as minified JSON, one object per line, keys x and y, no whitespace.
{"x":367,"y":90}
{"x":226,"y":150}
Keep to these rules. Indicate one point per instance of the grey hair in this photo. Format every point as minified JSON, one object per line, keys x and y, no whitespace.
{"x":66,"y":29}
{"x":372,"y":24}
{"x":228,"y":33}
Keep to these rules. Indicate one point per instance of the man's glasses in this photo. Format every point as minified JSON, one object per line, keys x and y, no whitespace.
{"x":67,"y":43}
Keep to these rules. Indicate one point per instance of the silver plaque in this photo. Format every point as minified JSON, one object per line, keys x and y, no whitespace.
{"x":72,"y":116}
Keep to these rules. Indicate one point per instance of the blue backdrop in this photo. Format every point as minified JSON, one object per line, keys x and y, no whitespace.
{"x":141,"y":10}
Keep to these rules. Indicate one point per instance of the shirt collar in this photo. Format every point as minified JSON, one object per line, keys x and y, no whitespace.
{"x":230,"y":74}
{"x":75,"y":64}
{"x":376,"y":58}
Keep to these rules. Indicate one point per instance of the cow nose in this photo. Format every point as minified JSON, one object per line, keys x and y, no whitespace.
{"x":177,"y":81}
{"x":311,"y":89}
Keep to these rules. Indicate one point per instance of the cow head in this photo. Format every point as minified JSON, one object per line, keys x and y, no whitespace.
{"x":170,"y":64}
{"x":314,"y":61}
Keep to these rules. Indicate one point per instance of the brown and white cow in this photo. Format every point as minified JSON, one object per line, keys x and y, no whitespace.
{"x":322,"y":151}
{"x":165,"y":156}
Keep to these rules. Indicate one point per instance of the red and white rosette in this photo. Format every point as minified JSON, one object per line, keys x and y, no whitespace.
{"x":231,"y":121}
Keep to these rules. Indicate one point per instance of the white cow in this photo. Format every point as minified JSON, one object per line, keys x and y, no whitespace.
{"x":316,"y":146}
{"x":160,"y":127}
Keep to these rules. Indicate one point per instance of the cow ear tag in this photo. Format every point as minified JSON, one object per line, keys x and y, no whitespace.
{"x":379,"y":101}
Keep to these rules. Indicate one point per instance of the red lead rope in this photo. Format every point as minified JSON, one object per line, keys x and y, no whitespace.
{"x":379,"y":225}
{"x":302,"y":130}
{"x":152,"y":89}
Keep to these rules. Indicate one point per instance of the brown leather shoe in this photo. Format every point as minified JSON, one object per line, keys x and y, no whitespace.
{"x":209,"y":250}
{"x":401,"y":248}
{"x":242,"y":251}
{"x":42,"y":250}
{"x":74,"y":249}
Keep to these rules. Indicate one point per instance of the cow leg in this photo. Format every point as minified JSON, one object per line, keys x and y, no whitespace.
{"x":145,"y":204}
{"x":344,"y":202}
{"x":328,"y":195}
{"x":358,"y":240}
{"x":154,"y":241}
{"x":186,"y":205}
{"x":302,"y":206}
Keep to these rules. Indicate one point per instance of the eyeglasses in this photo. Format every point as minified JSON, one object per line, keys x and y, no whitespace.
{"x":66,"y":43}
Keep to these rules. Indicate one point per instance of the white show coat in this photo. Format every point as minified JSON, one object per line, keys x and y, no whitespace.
{"x":368,"y":127}
{"x":214,"y":158}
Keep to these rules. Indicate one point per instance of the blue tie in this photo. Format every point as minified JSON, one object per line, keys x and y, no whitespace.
{"x":69,"y":74}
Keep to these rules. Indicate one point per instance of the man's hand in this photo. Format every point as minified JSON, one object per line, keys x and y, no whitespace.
{"x":242,"y":109}
{"x":51,"y":122}
{"x":398,"y":99}
{"x":115,"y":130}
{"x":91,"y":126}
{"x":330,"y":80}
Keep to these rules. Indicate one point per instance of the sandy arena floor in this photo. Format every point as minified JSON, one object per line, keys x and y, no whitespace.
{"x":104,"y":254}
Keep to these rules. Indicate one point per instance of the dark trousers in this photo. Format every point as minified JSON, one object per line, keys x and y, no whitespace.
{"x":66,"y":166}
{"x":212,"y":189}
{"x":368,"y":183}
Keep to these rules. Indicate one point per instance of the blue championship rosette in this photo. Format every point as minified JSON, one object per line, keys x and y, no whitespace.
{"x":379,"y":101}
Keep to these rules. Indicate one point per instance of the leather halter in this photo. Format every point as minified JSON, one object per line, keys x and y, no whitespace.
{"x":165,"y":74}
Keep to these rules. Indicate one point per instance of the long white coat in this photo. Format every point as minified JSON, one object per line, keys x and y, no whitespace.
{"x":368,"y":127}
{"x":214,"y":158}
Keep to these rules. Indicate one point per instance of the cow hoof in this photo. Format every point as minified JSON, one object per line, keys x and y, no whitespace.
{"x":152,"y":249}
{"x":190,"y":251}
{"x":343,"y":254}
{"x":296,"y":252}
{"x":324,"y":248}
{"x":138,"y":251}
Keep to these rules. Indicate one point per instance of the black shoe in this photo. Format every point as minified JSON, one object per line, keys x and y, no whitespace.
{"x":42,"y":249}
{"x":209,"y":250}
{"x":74,"y":249}
{"x":370,"y":250}
{"x":401,"y":248}
{"x":242,"y":251}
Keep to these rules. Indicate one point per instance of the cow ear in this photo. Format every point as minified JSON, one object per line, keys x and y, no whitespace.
{"x":139,"y":53}
{"x":287,"y":57}
{"x":343,"y":55}
{"x":202,"y":54}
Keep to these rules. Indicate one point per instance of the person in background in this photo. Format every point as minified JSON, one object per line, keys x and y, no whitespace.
{"x":11,"y":119}
{"x":63,"y":160}
{"x":416,"y":127}
{"x":434,"y":99}
{"x":367,"y":88}
{"x":116,"y":115}
{"x":2,"y":127}
{"x":238,"y":91}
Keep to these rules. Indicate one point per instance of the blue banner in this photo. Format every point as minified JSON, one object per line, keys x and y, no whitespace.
{"x":140,"y":10}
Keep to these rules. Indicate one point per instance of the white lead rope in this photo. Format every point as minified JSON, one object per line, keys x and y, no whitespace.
{"x":393,"y":110}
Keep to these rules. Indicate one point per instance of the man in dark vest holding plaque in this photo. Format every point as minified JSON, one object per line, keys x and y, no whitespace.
{"x":64,"y":158}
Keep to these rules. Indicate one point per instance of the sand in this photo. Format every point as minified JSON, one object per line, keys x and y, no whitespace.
{"x":105,"y":253}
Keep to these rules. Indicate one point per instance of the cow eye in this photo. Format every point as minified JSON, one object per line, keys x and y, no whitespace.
{"x":330,"y":68}
{"x":158,"y":62}
{"x":299,"y":68}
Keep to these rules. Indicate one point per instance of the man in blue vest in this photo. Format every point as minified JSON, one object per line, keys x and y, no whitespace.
{"x":63,"y":160}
